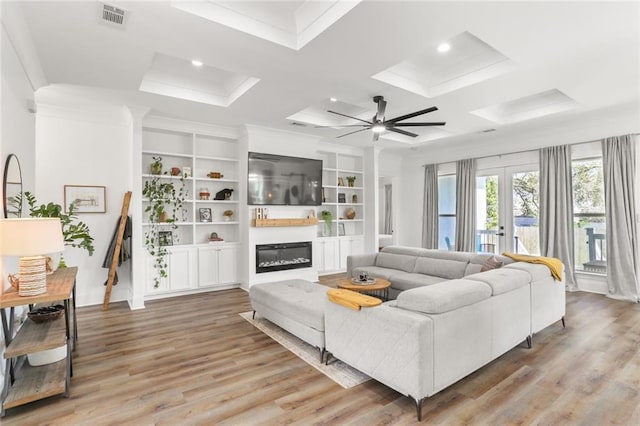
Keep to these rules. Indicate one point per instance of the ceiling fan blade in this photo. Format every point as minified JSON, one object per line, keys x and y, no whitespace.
{"x":382,"y":106}
{"x":402,"y":132}
{"x":413,"y":114}
{"x":347,"y":134}
{"x":346,"y":125}
{"x":435,"y":123}
{"x":348,"y":116}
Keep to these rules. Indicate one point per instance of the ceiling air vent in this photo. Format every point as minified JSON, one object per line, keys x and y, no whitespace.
{"x":113,"y":15}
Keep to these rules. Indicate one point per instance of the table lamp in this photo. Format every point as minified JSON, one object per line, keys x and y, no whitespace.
{"x":31,"y":238}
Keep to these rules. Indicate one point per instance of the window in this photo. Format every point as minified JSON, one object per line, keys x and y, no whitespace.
{"x":589,"y":223}
{"x":526,"y":202}
{"x":446,"y":212}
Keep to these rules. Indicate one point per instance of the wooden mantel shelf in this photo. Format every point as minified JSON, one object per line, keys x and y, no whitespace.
{"x":285,"y":222}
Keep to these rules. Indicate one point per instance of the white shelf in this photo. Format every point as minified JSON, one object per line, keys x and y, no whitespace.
{"x":204,"y":157}
{"x":167,"y":154}
{"x":201,"y":179}
{"x":218,"y":222}
{"x":148,"y":175}
{"x":216,"y":201}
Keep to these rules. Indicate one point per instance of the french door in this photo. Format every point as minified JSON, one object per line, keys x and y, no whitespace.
{"x":507,"y":203}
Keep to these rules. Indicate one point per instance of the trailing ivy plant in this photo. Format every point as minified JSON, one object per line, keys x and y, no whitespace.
{"x":162,"y":194}
{"x":75,"y":233}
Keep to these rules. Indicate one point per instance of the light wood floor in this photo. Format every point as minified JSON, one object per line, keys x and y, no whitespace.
{"x":194,"y":360}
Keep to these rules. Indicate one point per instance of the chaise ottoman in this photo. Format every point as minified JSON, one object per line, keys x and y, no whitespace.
{"x":294,"y":305}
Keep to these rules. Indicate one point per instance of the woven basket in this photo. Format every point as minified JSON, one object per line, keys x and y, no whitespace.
{"x":46,"y":313}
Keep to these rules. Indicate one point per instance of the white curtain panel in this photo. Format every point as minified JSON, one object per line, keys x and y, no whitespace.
{"x":388,"y":204}
{"x":556,"y":209}
{"x":430,"y":207}
{"x":466,"y":205}
{"x":619,"y":166}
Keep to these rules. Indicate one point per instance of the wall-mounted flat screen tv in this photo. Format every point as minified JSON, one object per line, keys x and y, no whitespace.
{"x":284,"y":181}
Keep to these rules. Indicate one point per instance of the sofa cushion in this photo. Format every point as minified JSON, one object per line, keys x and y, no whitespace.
{"x":411,"y":251}
{"x":537,"y":271}
{"x":402,"y":262}
{"x":449,"y":269}
{"x":444,"y":297}
{"x":401,"y":280}
{"x":460,"y":256}
{"x":502,"y":280}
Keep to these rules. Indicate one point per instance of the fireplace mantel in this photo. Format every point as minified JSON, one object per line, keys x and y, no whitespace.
{"x":259,"y":223}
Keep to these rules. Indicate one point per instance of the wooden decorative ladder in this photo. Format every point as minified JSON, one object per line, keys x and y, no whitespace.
{"x":116,"y":253}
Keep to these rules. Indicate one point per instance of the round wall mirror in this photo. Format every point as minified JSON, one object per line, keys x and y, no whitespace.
{"x":12,"y":187}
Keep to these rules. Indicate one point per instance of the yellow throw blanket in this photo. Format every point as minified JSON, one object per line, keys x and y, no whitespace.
{"x":554,"y":265}
{"x":351,"y":299}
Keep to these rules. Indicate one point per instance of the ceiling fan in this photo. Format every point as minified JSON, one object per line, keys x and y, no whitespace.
{"x":378,"y":124}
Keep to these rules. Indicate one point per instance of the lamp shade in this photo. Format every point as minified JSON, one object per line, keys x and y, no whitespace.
{"x":31,"y":236}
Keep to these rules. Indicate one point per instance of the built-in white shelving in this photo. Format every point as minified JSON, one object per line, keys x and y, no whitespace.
{"x":195,"y":154}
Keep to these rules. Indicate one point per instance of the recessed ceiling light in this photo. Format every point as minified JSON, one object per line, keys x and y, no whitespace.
{"x":378,"y":128}
{"x":196,"y":63}
{"x":444,"y":47}
{"x":333,"y":99}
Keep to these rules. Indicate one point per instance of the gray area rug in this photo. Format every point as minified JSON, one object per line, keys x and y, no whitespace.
{"x":341,"y":373}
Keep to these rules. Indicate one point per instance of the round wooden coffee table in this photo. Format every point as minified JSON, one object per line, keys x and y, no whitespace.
{"x":379,"y":288}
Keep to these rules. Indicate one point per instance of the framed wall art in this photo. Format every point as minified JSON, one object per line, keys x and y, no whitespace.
{"x":85,"y":198}
{"x":165,"y":238}
{"x":205,"y":214}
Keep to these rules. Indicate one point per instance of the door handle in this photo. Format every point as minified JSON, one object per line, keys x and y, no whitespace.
{"x":500,"y":234}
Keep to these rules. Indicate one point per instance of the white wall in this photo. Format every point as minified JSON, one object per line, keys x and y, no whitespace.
{"x":87,"y":145}
{"x":20,"y":75}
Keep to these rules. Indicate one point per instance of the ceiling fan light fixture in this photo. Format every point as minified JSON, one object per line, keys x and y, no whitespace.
{"x":444,"y":47}
{"x":378,"y":128}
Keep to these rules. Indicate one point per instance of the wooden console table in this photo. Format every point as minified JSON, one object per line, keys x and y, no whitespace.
{"x":22,"y":382}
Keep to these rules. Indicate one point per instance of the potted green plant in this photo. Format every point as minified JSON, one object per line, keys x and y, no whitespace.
{"x":351,"y":180}
{"x":160,"y":194}
{"x":327,"y":217}
{"x":74,"y":232}
{"x":156,"y":165}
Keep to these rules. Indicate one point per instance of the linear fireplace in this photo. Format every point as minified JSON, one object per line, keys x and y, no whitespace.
{"x":278,"y":257}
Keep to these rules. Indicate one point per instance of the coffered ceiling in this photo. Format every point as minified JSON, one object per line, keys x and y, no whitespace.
{"x":513,"y":67}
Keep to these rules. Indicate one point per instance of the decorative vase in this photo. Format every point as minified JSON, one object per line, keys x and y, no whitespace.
{"x":163,"y":217}
{"x":204,"y":193}
{"x":351,"y":183}
{"x":156,"y":168}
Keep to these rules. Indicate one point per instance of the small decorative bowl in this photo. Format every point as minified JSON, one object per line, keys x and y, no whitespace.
{"x":46,"y":313}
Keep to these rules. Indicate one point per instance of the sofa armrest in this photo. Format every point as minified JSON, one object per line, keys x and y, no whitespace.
{"x":394,"y":346}
{"x":357,"y":260}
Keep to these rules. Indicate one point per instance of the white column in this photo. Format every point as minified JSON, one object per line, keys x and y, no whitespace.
{"x":371,"y":212}
{"x":137,"y":290}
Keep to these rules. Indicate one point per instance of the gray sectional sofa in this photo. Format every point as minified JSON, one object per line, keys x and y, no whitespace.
{"x":449,"y":320}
